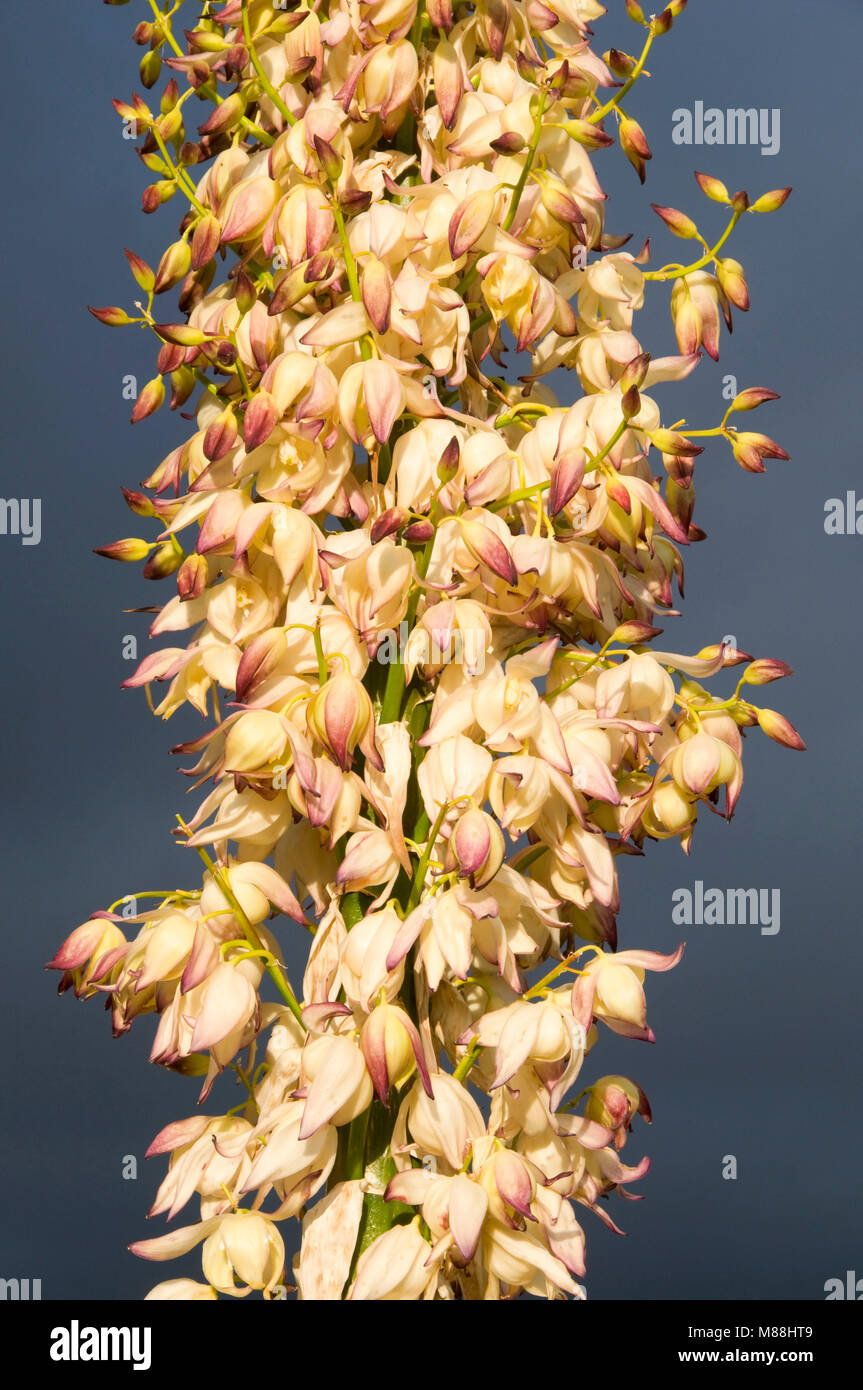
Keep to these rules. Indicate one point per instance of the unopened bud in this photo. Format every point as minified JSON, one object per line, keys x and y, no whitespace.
{"x":225,"y":117}
{"x":174,"y":266}
{"x":676,"y":221}
{"x":752,"y":397}
{"x":130,"y":550}
{"x":477,"y":846}
{"x":192,"y":577}
{"x":714,"y":188}
{"x":771,"y":202}
{"x":777,"y":727}
{"x":765,"y":670}
{"x":328,"y":158}
{"x":149,"y":400}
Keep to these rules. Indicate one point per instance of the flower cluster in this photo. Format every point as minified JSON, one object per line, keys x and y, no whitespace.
{"x":396,"y":194}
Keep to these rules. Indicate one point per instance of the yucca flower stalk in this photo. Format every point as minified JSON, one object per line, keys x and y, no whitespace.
{"x":419,"y":597}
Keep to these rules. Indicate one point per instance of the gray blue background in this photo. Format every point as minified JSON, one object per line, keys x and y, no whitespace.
{"x":758,"y":1037}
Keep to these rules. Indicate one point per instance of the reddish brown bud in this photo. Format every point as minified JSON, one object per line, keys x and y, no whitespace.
{"x":221,"y":435}
{"x":205,"y":240}
{"x":260,"y":419}
{"x":149,"y":400}
{"x":192,"y":577}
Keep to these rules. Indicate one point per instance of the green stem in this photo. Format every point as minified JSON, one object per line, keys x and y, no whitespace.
{"x":526,"y":168}
{"x":422,"y":867}
{"x":264,"y":80}
{"x":628,"y":84}
{"x":356,"y":1150}
{"x":248,"y":930}
{"x":467,"y":1061}
{"x":674,"y":268}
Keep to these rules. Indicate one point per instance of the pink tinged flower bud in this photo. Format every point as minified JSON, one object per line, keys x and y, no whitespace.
{"x":389,"y":82}
{"x":478,"y":846}
{"x":112,"y":316}
{"x":469,"y":221}
{"x":192,"y":577}
{"x":341,"y":716}
{"x":670,"y":442}
{"x":676,"y":221}
{"x":587,"y":134}
{"x":752,"y":397}
{"x":772,"y":201}
{"x":328,"y":157}
{"x":387,"y":524}
{"x":510,"y":142}
{"x":173,"y":267}
{"x":224,"y":117}
{"x":559,"y":204}
{"x":777,"y":727}
{"x":613,"y":1101}
{"x":448,"y":81}
{"x":131,"y":550}
{"x":566,"y":479}
{"x":633,"y":632}
{"x":489,"y":550}
{"x":765,"y":670}
{"x":95,"y":944}
{"x":514,"y":1182}
{"x":440,"y":13}
{"x":377,"y":291}
{"x":205,"y":240}
{"x":144,"y":276}
{"x":149,"y":400}
{"x":260,"y":419}
{"x":714,"y":188}
{"x":392,"y":1048}
{"x":634,"y":144}
{"x":703,"y":763}
{"x":221,"y":435}
{"x":749,"y":448}
{"x":247,"y":207}
{"x":259,"y":660}
{"x":373,"y":390}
